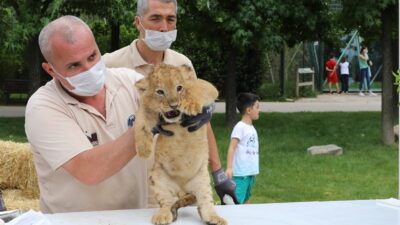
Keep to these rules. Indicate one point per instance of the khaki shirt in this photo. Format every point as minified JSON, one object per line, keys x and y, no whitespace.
{"x":129,"y":57}
{"x":60,"y":127}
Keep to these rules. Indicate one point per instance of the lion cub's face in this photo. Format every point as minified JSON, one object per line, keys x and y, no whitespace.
{"x":164,"y":88}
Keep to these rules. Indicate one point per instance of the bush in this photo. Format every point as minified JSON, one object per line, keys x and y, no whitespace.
{"x":272,"y":92}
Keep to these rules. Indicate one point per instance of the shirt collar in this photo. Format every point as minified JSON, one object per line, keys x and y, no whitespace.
{"x":139,"y":61}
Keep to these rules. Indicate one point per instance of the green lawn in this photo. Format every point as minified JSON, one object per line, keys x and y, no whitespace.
{"x":366,"y":170}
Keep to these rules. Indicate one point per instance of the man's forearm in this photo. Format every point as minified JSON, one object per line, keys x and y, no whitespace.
{"x":214,"y":160}
{"x":97,"y":164}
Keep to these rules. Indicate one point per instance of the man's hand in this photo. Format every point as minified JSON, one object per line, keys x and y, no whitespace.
{"x":195,"y":122}
{"x":224,"y":187}
{"x":158,"y":128}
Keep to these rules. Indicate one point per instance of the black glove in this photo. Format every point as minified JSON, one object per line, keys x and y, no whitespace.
{"x":224,"y":187}
{"x":2,"y":205}
{"x":195,"y":122}
{"x":158,"y":128}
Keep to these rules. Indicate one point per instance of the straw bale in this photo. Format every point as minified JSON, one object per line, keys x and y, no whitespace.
{"x":18,"y":168}
{"x":16,"y":199}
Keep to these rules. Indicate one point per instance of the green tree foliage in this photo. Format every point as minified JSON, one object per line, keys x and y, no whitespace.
{"x":23,"y":19}
{"x":235,"y":34}
{"x":366,"y":16}
{"x":377,"y":21}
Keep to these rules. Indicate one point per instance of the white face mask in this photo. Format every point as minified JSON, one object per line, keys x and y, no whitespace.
{"x":159,"y":41}
{"x":88,"y":83}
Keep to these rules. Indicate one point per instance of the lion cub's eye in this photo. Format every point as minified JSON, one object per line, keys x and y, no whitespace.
{"x":160,"y":92}
{"x":179,"y":88}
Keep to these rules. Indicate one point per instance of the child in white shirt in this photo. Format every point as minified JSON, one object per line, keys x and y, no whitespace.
{"x":344,"y":74}
{"x":242,"y":159}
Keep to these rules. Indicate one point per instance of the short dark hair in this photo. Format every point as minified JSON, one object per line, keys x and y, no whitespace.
{"x":245,"y":100}
{"x":362,"y":48}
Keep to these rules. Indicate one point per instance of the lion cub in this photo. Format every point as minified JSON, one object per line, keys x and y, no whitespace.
{"x":179,"y":176}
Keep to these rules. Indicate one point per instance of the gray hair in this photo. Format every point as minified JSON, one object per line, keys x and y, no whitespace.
{"x":143,"y":6}
{"x":64,"y":25}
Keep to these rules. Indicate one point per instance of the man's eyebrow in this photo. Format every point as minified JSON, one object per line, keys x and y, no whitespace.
{"x":71,"y":64}
{"x":159,"y":15}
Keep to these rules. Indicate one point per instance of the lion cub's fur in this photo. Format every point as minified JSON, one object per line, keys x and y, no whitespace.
{"x":179,"y":176}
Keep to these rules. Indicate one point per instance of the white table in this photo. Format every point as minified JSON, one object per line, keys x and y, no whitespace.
{"x":359,"y":212}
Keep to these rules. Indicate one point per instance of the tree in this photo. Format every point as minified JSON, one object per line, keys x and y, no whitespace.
{"x":23,"y":20}
{"x":29,"y":16}
{"x":241,"y":28}
{"x":375,"y":21}
{"x":113,"y":12}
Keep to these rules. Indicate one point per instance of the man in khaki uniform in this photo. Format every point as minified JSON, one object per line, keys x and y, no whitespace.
{"x":156,"y":22}
{"x":79,"y":126}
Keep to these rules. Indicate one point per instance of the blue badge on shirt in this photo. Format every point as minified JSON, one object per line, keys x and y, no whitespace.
{"x":131,"y":120}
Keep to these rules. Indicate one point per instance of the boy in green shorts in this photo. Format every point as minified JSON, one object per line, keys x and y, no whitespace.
{"x":242,"y":159}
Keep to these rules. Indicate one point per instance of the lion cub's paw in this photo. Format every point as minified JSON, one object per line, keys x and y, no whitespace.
{"x":143,"y":149}
{"x":162,"y":217}
{"x":192,"y":108}
{"x":216,"y":220}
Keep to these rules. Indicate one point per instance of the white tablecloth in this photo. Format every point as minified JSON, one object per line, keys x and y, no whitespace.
{"x":359,"y":212}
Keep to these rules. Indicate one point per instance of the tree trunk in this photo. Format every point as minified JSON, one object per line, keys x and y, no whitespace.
{"x":34,"y":60}
{"x":230,"y":89}
{"x":321,"y":58}
{"x":282,"y":71}
{"x":114,"y":37}
{"x":387,"y":79}
{"x":395,"y":60}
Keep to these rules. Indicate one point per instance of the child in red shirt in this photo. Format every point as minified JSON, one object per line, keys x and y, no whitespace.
{"x":331,"y":73}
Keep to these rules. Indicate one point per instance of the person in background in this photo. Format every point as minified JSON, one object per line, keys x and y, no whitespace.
{"x":344,"y":74}
{"x":365,"y":63}
{"x":156,"y":21}
{"x":243,"y":156}
{"x":331,"y":73}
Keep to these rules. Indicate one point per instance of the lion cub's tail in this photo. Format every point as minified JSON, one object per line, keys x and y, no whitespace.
{"x":185,"y":199}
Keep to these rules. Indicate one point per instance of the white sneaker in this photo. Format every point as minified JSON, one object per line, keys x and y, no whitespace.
{"x":361,"y":94}
{"x":372,"y":93}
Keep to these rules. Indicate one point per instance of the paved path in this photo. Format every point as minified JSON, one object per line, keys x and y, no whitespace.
{"x":323,"y":103}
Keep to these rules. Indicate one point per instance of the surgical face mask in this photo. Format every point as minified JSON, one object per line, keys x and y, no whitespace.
{"x":88,"y":83}
{"x":159,"y":41}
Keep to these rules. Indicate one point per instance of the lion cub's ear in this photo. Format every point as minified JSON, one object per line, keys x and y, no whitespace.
{"x":142,"y":84}
{"x":187,"y":72}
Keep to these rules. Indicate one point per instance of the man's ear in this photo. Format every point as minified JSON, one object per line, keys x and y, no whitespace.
{"x":187,"y":72}
{"x":46,"y":66}
{"x":137,"y":24}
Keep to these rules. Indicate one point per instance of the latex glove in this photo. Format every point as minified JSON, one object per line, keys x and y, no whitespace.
{"x":224,"y":187}
{"x":158,"y":128}
{"x":195,"y":122}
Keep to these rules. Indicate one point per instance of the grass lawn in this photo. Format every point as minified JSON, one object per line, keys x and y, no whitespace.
{"x":366,"y":170}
